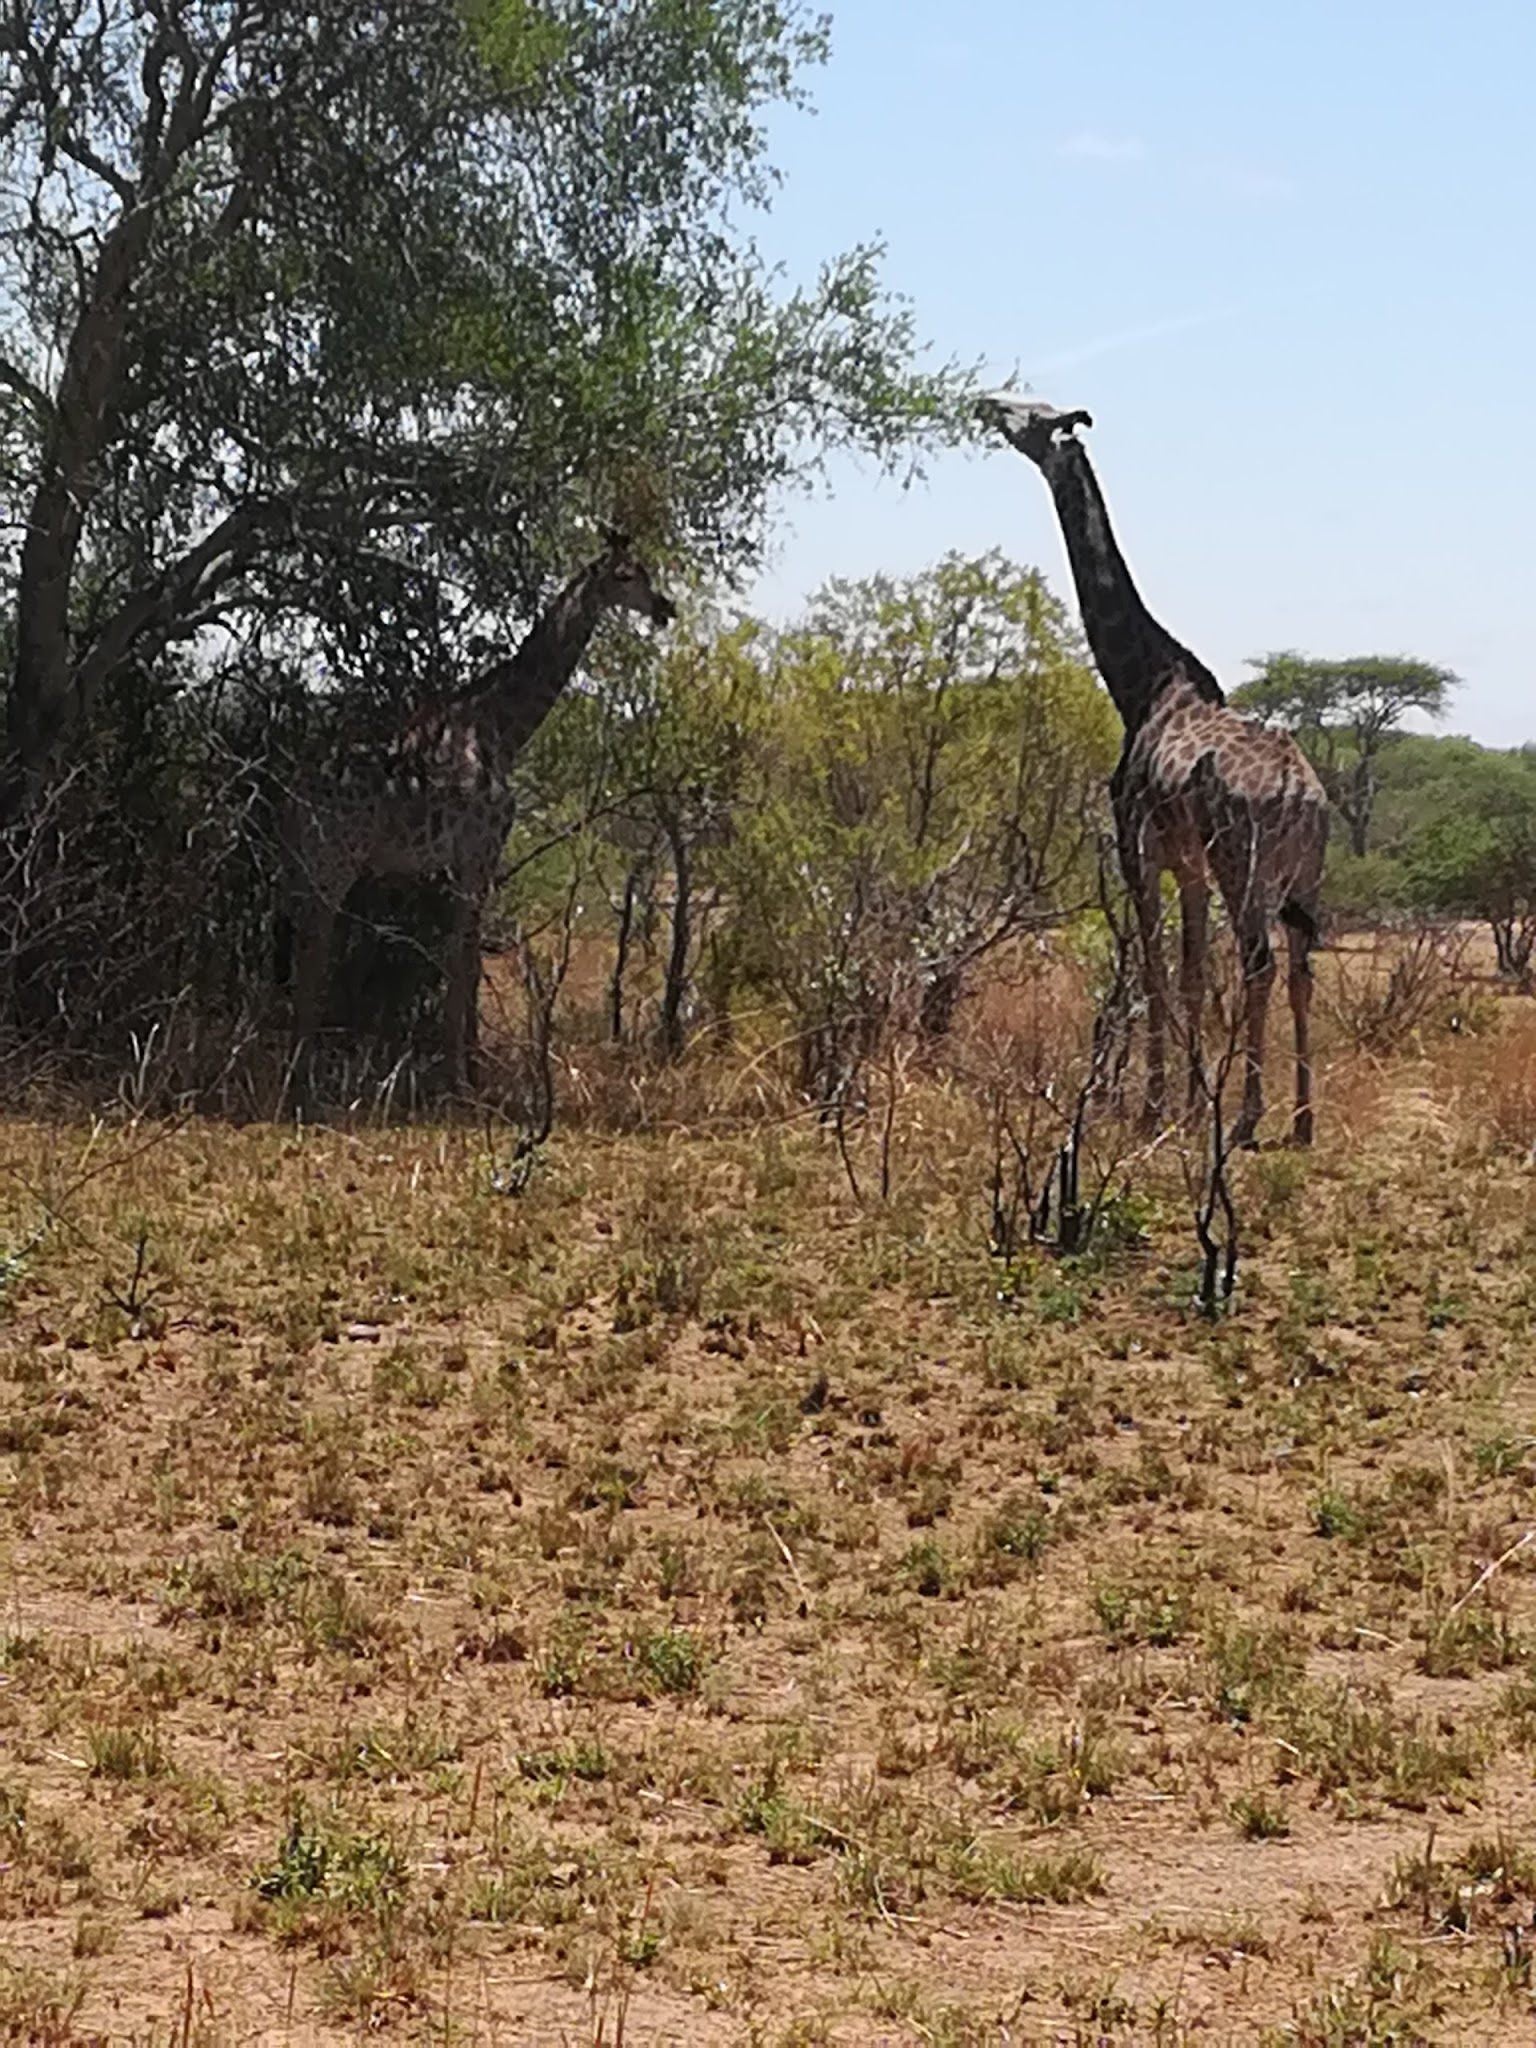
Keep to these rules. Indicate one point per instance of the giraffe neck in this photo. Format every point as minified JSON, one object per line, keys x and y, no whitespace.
{"x":1134,"y":654}
{"x":514,"y":696}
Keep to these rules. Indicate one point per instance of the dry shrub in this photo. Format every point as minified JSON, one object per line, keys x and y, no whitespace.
{"x":1398,"y":987}
{"x":1503,"y":1096}
{"x":1031,"y":1019}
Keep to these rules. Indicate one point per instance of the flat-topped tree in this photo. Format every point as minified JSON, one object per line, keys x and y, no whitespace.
{"x":437,"y":801}
{"x":1200,"y":791}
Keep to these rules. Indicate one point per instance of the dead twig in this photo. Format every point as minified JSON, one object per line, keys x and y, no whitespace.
{"x":789,"y":1559}
{"x":1488,"y":1571}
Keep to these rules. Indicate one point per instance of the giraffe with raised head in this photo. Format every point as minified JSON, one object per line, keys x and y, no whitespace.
{"x":437,"y":802}
{"x":1200,"y":791}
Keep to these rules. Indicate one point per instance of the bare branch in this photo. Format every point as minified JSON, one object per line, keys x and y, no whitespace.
{"x":159,"y":605}
{"x":18,"y":381}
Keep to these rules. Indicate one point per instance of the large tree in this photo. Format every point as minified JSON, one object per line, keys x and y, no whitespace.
{"x":1344,"y":713}
{"x":326,"y":335}
{"x":345,"y":307}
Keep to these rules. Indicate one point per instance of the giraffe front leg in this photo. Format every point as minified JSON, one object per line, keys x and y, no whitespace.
{"x":462,"y":991}
{"x":1194,"y":918}
{"x":1142,"y":882}
{"x":314,"y":930}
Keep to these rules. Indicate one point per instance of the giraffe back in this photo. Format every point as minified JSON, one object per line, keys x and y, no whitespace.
{"x":1219,"y":792}
{"x":433,"y":804}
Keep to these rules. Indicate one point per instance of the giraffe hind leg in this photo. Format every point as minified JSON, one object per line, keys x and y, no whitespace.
{"x":1301,"y":936}
{"x":1194,"y":919}
{"x":1143,"y":885}
{"x":1258,"y":965}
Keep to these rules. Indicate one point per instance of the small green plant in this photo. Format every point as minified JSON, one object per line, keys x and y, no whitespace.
{"x":1062,"y":1879}
{"x":586,"y":1762}
{"x":1248,"y":1669}
{"x":1500,"y":1868}
{"x":39,"y":2007}
{"x":1260,"y":1817}
{"x":1459,"y":1645}
{"x":323,"y":1860}
{"x":401,"y":1377}
{"x":788,"y":1832}
{"x":1518,"y":1704}
{"x":13,"y":1264}
{"x":1382,"y":2006}
{"x":1334,"y":1515}
{"x":1016,"y":1534}
{"x":1149,"y":1612}
{"x":1052,"y":1781}
{"x":127,"y":1750}
{"x":1279,"y":1176}
{"x":389,"y":1752}
{"x":240,"y":1586}
{"x":927,"y":1568}
{"x":1360,"y":1746}
{"x":1497,"y":1457}
{"x":672,"y":1659}
{"x":563,"y":1666}
{"x":1059,"y":1301}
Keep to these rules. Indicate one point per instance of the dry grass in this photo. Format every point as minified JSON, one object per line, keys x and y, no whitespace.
{"x":677,"y":1605}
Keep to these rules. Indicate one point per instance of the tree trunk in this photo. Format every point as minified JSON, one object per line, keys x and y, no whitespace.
{"x":621,"y":960}
{"x":41,"y":708}
{"x":942,"y":991}
{"x":675,"y":988}
{"x":1362,"y":798}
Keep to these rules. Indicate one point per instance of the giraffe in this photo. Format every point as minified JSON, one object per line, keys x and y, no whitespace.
{"x":1200,"y":791}
{"x":439,"y":800}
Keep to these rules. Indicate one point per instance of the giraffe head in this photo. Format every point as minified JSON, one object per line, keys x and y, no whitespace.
{"x":1028,"y":424}
{"x":626,"y":583}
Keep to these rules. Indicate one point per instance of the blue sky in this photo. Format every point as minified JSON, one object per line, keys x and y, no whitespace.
{"x":1286,"y":255}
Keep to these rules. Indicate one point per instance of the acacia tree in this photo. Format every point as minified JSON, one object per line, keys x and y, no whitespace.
{"x":932,"y":779}
{"x":1345,"y":713}
{"x":325,"y":332}
{"x":1473,"y":851}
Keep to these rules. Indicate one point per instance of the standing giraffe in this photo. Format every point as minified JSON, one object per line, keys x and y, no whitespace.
{"x":440,"y":803}
{"x":1199,"y":790}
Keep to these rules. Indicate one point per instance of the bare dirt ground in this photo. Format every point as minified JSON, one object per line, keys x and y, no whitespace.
{"x":681,"y":1605}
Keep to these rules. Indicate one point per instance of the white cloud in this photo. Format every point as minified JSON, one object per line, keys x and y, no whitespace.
{"x":1225,"y":174}
{"x":1131,"y":337}
{"x":1093,"y":146}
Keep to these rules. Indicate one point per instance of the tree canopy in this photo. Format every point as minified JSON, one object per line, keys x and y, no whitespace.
{"x":1472,"y":852}
{"x":328,"y":337}
{"x":332,"y":326}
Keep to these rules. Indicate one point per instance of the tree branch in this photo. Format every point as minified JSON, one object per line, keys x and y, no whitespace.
{"x":160,"y":605}
{"x":18,"y":381}
{"x":177,"y":600}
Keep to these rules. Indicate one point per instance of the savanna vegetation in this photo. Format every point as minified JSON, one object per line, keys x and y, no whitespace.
{"x":783,"y":1514}
{"x":1432,"y":827}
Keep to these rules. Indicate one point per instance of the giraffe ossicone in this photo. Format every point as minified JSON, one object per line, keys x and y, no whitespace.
{"x":1018,"y":414}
